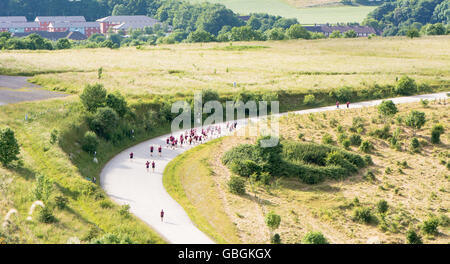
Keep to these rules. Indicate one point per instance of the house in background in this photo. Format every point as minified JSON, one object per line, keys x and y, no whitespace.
{"x":13,"y":19}
{"x":19,"y":27}
{"x":125,"y":23}
{"x":361,"y":31}
{"x":86,"y":28}
{"x":44,"y":21}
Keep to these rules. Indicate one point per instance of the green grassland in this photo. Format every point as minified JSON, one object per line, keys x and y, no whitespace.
{"x":322,"y":14}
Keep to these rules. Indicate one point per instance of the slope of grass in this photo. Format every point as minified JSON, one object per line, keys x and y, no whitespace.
{"x":191,"y":168}
{"x":318,"y":15}
{"x":89,"y":214}
{"x":414,"y":190}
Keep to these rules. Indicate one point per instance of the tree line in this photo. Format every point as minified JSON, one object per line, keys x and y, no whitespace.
{"x":397,"y":18}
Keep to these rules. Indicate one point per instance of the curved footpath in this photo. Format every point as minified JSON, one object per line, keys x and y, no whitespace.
{"x":128,"y":181}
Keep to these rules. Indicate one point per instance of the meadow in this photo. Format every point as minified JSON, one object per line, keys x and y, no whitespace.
{"x":289,"y":66}
{"x":297,"y":9}
{"x":415,"y":185}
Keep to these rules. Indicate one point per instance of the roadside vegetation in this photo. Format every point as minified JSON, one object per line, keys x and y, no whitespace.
{"x":401,"y":195}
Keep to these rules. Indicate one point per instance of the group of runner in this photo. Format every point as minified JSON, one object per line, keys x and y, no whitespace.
{"x":192,"y":137}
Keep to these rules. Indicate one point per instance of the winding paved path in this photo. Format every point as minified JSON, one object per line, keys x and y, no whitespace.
{"x":128,"y":182}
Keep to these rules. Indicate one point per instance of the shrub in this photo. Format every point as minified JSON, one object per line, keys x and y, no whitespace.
{"x":104,"y":122}
{"x":46,"y":215}
{"x":9,"y":148}
{"x":43,"y":188}
{"x":366,"y":146}
{"x":275,"y":239}
{"x":314,"y":238}
{"x":368,"y":160}
{"x":63,"y":44}
{"x":124,"y":210}
{"x":406,"y":86}
{"x":117,"y":102}
{"x":309,"y":99}
{"x":272,"y":220}
{"x":430,"y":226}
{"x":342,"y":94}
{"x":346,"y":143}
{"x":327,"y":139}
{"x":363,"y":215}
{"x":236,"y":185}
{"x":300,"y":136}
{"x":93,"y":97}
{"x":333,"y":122}
{"x":105,"y":204}
{"x":382,"y":206}
{"x":436,"y":132}
{"x":413,"y":238}
{"x":53,"y":136}
{"x":265,"y":178}
{"x":415,"y":119}
{"x":415,"y":145}
{"x":245,"y":168}
{"x":382,"y":133}
{"x":357,"y":124}
{"x":90,"y":142}
{"x":61,"y":202}
{"x":355,"y":139}
{"x":297,"y":31}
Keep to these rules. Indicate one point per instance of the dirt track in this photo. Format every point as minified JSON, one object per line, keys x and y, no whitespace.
{"x":14,"y":89}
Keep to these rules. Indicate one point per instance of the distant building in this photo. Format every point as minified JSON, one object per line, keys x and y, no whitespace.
{"x":44,"y":21}
{"x":244,"y":18}
{"x":19,"y":27}
{"x":361,"y":31}
{"x":13,"y":19}
{"x":86,"y":28}
{"x":125,"y":23}
{"x":75,"y":35}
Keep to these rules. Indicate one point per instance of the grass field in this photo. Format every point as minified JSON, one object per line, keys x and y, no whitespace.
{"x":298,"y":65}
{"x":415,"y":191}
{"x":320,"y":15}
{"x":89,"y":213}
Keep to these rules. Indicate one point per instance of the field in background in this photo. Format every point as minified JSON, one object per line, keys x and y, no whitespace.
{"x":320,"y":15}
{"x":414,"y":191}
{"x":298,"y":65}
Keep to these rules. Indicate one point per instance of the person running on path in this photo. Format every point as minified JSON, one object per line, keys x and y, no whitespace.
{"x":131,"y":155}
{"x":162,"y":215}
{"x":153,"y":166}
{"x":147,"y":165}
{"x":167,"y":142}
{"x":348,"y":104}
{"x":151,"y":151}
{"x":160,"y":150}
{"x":337,"y":104}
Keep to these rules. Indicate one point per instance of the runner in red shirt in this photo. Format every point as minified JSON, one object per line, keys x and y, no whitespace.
{"x":153,"y":166}
{"x":167,"y":142}
{"x":147,"y":165}
{"x":348,"y":104}
{"x":162,"y":215}
{"x":151,"y":151}
{"x":337,"y":104}
{"x":131,"y":155}
{"x":160,"y":150}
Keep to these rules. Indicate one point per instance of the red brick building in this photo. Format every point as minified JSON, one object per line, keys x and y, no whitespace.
{"x":86,"y":28}
{"x":44,"y":21}
{"x":112,"y":21}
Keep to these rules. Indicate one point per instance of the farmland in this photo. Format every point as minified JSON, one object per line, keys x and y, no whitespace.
{"x":297,"y":9}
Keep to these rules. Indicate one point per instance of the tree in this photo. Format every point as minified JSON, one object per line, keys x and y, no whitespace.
{"x":387,"y":108}
{"x":117,"y":102}
{"x":63,"y":44}
{"x":273,"y":220}
{"x":405,"y":86}
{"x":413,"y":238}
{"x":350,"y":34}
{"x":93,"y":97}
{"x":382,"y":206}
{"x":436,"y":132}
{"x":9,"y":148}
{"x":298,"y":31}
{"x":43,"y":188}
{"x":314,"y":238}
{"x":104,"y":122}
{"x":90,"y":142}
{"x":275,"y":34}
{"x":200,"y":35}
{"x":336,"y":34}
{"x":245,"y":33}
{"x":415,"y":120}
{"x":413,"y":33}
{"x":309,"y":99}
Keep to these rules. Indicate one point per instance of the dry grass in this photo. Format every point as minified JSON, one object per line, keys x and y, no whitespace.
{"x":413,"y":193}
{"x":285,"y":65}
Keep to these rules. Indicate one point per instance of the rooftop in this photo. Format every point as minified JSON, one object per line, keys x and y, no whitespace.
{"x":74,"y":24}
{"x":60,"y":19}
{"x":19,"y":25}
{"x":12,"y":19}
{"x":126,"y":19}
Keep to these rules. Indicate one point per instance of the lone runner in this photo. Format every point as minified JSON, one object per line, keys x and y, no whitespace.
{"x":162,"y":215}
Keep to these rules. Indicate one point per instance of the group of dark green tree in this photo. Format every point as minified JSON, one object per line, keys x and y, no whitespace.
{"x":411,"y":17}
{"x":31,"y":42}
